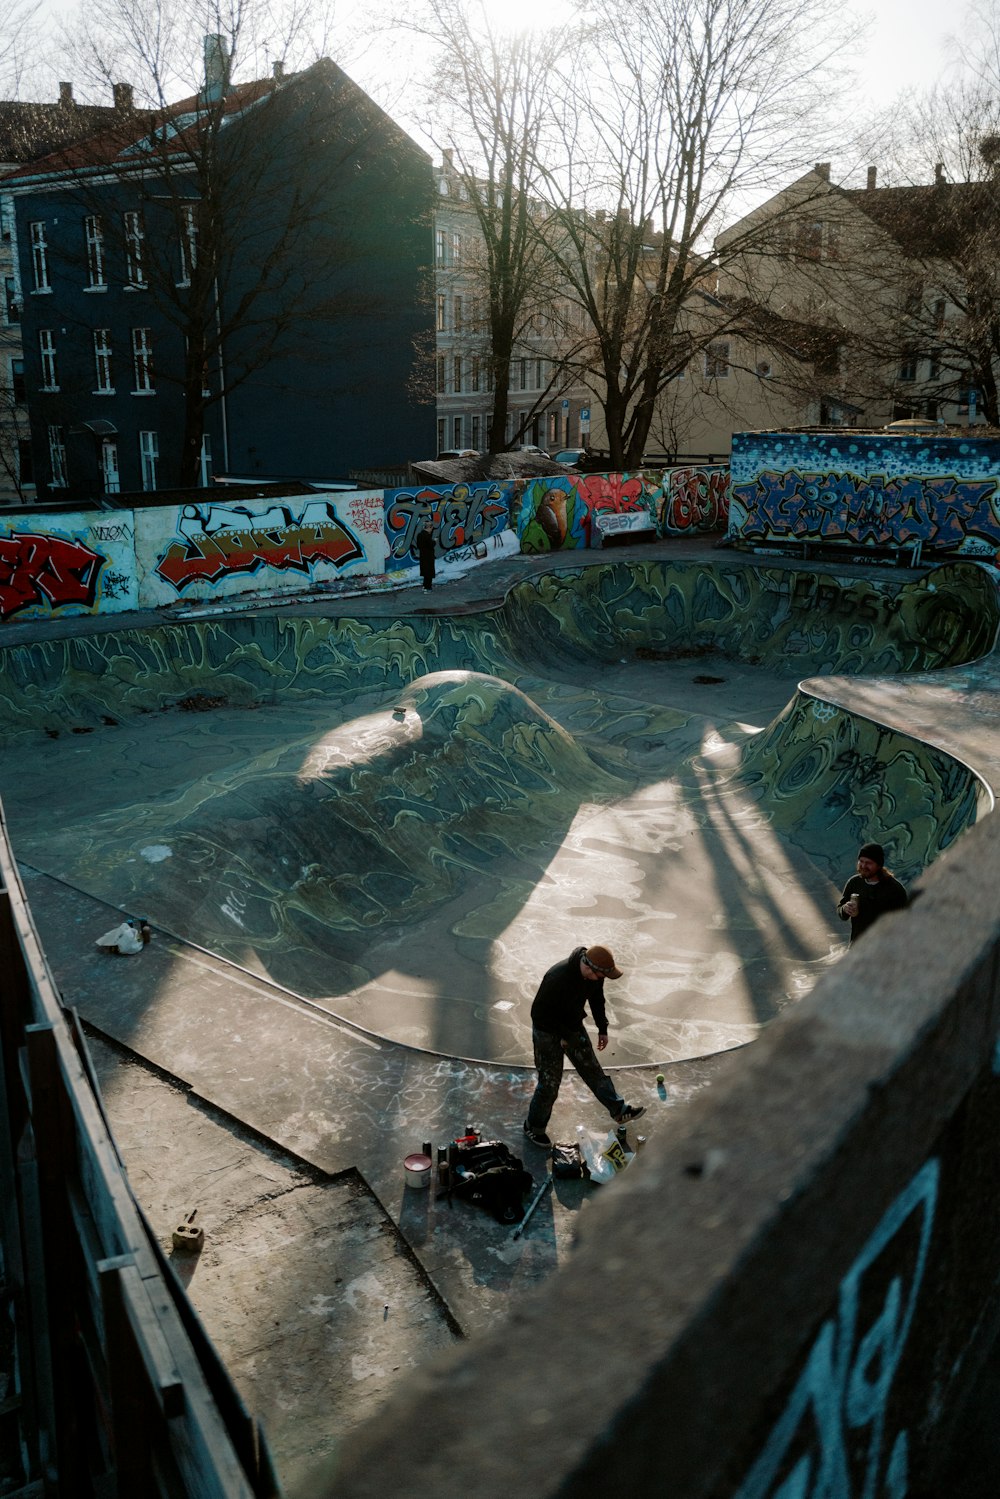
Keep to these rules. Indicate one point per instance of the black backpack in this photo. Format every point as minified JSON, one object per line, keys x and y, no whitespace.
{"x":489,"y":1175}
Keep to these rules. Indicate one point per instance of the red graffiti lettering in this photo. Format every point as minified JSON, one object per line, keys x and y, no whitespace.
{"x":695,"y":499}
{"x":46,"y":569}
{"x":229,"y":553}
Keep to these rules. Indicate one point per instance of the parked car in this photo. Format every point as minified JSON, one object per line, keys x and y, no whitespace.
{"x":529,"y":447}
{"x":457,"y":453}
{"x":570,"y":457}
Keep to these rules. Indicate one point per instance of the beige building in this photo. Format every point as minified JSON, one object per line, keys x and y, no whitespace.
{"x":543,"y":409}
{"x":827,"y":307}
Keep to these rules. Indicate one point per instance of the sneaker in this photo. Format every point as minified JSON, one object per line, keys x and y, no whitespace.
{"x":536,"y":1136}
{"x":629,"y":1112}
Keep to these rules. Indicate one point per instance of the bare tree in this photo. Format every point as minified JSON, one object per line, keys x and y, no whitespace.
{"x":679,"y":112}
{"x":491,"y":118}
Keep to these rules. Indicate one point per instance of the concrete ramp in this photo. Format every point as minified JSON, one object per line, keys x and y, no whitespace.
{"x":408,"y":819}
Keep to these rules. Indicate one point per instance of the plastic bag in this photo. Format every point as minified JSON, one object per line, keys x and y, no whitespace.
{"x":604,"y":1155}
{"x":124,"y":939}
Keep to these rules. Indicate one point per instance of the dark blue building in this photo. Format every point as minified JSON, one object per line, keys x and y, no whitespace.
{"x":238,"y":284}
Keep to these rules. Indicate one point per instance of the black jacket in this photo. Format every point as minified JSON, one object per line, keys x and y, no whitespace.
{"x":887,"y":895}
{"x":563,"y":996}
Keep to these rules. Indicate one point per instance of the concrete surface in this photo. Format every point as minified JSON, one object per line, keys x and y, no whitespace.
{"x":324,"y":1058}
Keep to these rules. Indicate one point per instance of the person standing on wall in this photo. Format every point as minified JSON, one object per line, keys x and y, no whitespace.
{"x":557,"y":1032}
{"x":871,"y":892}
{"x":426,"y":550}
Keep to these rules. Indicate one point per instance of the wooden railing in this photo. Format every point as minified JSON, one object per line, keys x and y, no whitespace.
{"x":113,"y":1386}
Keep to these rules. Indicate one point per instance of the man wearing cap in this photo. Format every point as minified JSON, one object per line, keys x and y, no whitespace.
{"x":557,"y":1031}
{"x":871,"y":892}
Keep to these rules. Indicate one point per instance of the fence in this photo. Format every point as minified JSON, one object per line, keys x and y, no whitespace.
{"x":116,"y":1388}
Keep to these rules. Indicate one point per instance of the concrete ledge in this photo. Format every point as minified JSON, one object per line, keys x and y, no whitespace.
{"x":799,"y":1281}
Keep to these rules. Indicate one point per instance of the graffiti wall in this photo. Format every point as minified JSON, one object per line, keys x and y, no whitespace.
{"x":867,"y":489}
{"x":210,"y":550}
{"x":556,"y":513}
{"x":463,"y":515}
{"x":81,"y":563}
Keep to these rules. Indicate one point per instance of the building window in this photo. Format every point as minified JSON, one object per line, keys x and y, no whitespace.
{"x":11,"y":308}
{"x":439,"y":374}
{"x":439,"y":247}
{"x":474,"y":373}
{"x":934,"y":368}
{"x":102,"y":362}
{"x":206,"y":459}
{"x":25,"y":463}
{"x":476,"y":423}
{"x":908,"y":366}
{"x":457,"y":372}
{"x":457,"y":317}
{"x":440,"y":434}
{"x":809,"y":241}
{"x":39,"y":255}
{"x":456,"y":432}
{"x":149,"y":452}
{"x":94,"y":234}
{"x":440,"y":320}
{"x":47,"y":350}
{"x":717,"y":360}
{"x":142,"y":362}
{"x":539,"y":374}
{"x":135,"y":249}
{"x":188,"y":237}
{"x":18,"y":385}
{"x":110,"y":477}
{"x":57,"y":458}
{"x":524,"y":374}
{"x":489,"y":431}
{"x":939,"y":313}
{"x":456,"y":249}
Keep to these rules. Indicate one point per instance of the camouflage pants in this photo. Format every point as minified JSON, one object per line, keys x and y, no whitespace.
{"x":549,"y":1053}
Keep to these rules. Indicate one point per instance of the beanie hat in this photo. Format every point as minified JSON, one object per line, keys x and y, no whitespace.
{"x":873,"y":851}
{"x":602,"y":962}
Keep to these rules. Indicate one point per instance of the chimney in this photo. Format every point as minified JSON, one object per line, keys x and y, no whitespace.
{"x":939,"y":177}
{"x":823,"y":170}
{"x":216,"y":69}
{"x":872,"y":176}
{"x":278,"y":71}
{"x":123,"y":96}
{"x":66,"y":95}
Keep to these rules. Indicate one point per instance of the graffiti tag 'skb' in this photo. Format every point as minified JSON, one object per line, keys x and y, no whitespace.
{"x":831,"y":1440}
{"x":36,"y":569}
{"x":462,"y":515}
{"x":222,"y":540}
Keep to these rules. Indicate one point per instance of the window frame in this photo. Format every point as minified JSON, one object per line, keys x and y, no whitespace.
{"x":57,"y":457}
{"x":149,"y":457}
{"x":39,"y":255}
{"x":49,"y":359}
{"x":93,"y":233}
{"x":143,"y":381}
{"x":103,"y":365}
{"x":135,"y":250}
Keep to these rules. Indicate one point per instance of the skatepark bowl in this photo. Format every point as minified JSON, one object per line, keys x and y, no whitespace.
{"x":361,"y":837}
{"x":406,"y":820}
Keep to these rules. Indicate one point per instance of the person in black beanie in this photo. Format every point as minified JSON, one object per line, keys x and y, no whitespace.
{"x":871,"y":892}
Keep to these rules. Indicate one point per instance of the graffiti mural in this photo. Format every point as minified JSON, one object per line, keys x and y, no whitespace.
{"x":36,"y":569}
{"x":834,"y":1438}
{"x":867,"y":490}
{"x":693,"y":499}
{"x":557,"y":513}
{"x":207,"y":550}
{"x":462,"y":516}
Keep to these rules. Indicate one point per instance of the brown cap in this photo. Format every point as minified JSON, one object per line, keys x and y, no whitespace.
{"x":601,"y":960}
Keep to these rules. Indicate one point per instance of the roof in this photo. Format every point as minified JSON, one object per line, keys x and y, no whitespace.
{"x":927,"y":221}
{"x":486,"y":466}
{"x":169,"y":131}
{"x":30,"y":131}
